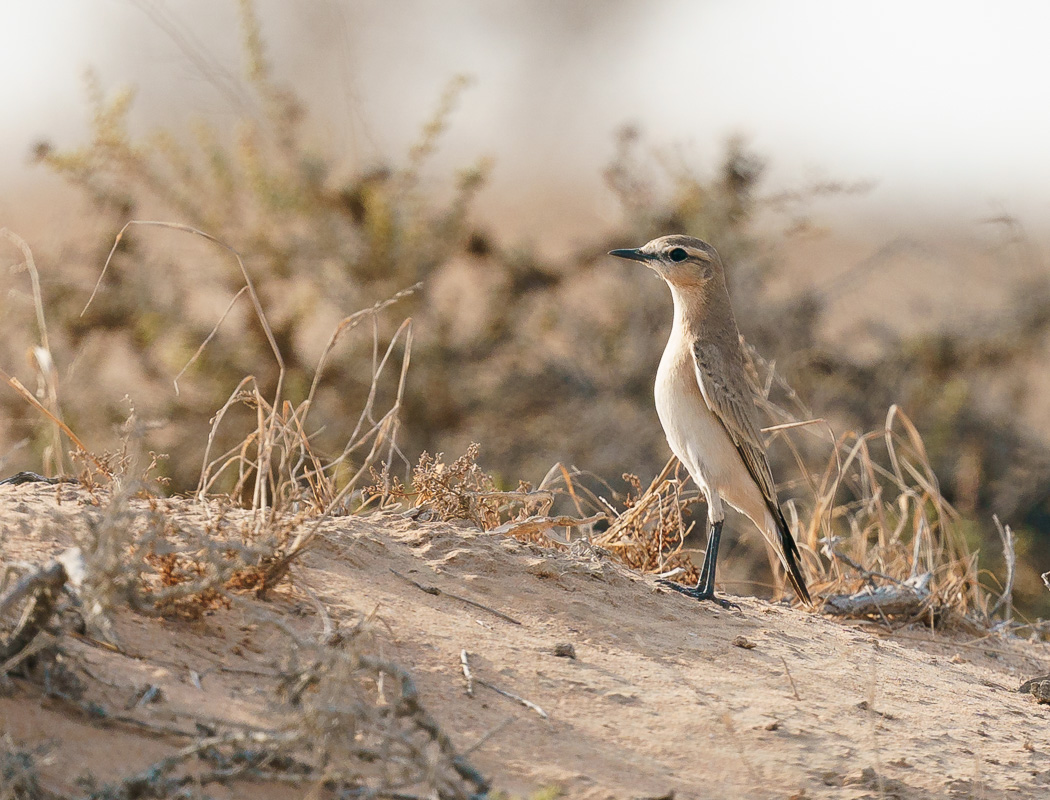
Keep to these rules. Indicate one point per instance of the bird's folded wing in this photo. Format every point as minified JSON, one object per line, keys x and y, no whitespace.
{"x":724,"y":387}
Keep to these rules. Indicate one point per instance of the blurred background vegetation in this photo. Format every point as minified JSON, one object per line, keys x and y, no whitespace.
{"x":541,"y":359}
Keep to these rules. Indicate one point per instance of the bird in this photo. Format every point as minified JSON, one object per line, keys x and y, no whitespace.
{"x":707,"y":408}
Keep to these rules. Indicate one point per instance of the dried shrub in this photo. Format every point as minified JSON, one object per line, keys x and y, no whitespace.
{"x":351,"y":721}
{"x":150,"y":560}
{"x":461,"y":490}
{"x":650,"y":531}
{"x":359,"y":719}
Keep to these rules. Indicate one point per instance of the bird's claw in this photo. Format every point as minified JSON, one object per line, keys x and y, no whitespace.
{"x":696,"y":593}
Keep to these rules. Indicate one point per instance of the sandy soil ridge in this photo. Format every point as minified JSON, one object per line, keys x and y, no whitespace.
{"x":663,"y":696}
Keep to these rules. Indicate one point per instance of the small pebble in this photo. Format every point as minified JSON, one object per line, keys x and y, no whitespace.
{"x":565,"y":650}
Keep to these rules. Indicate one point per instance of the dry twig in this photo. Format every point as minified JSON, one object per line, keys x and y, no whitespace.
{"x":908,"y":599}
{"x":794,"y":689}
{"x":436,"y":591}
{"x":531,"y":526}
{"x":466,"y":672}
{"x":511,"y":696}
{"x":1005,"y":600}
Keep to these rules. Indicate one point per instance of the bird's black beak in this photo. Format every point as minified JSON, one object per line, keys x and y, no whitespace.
{"x":633,"y":255}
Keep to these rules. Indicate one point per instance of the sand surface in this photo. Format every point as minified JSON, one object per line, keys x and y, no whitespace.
{"x":661,"y":696}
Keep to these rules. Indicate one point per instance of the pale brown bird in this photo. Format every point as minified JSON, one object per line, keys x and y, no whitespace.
{"x":706,"y":406}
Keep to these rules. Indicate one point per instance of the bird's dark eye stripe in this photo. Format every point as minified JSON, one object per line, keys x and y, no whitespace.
{"x":678,"y":254}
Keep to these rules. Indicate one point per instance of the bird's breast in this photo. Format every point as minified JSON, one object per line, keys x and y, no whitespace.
{"x":693,"y":431}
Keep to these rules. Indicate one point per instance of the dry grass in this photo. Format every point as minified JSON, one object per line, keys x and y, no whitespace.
{"x":461,"y":490}
{"x":875,"y":513}
{"x":275,"y":464}
{"x":43,"y":363}
{"x":272,"y":468}
{"x":896,"y":524}
{"x":649,"y":532}
{"x":155,"y":564}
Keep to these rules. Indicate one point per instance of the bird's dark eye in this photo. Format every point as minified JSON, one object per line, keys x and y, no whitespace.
{"x":678,"y":254}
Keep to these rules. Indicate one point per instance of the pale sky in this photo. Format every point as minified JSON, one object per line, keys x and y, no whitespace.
{"x":943,"y":104}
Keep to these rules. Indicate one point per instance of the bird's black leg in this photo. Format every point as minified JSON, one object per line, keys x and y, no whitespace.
{"x":707,"y":578}
{"x":705,"y":587}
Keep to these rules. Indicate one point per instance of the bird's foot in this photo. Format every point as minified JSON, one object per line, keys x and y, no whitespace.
{"x":698,"y":594}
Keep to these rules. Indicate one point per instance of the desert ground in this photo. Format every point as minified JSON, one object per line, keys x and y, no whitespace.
{"x":633,"y":691}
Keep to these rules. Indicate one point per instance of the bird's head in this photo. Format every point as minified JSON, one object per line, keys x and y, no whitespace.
{"x":683,"y":261}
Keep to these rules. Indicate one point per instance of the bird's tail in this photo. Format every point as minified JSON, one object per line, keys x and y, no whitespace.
{"x":791,"y":556}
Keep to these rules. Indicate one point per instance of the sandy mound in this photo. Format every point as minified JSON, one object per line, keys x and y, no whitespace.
{"x":664,"y":695}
